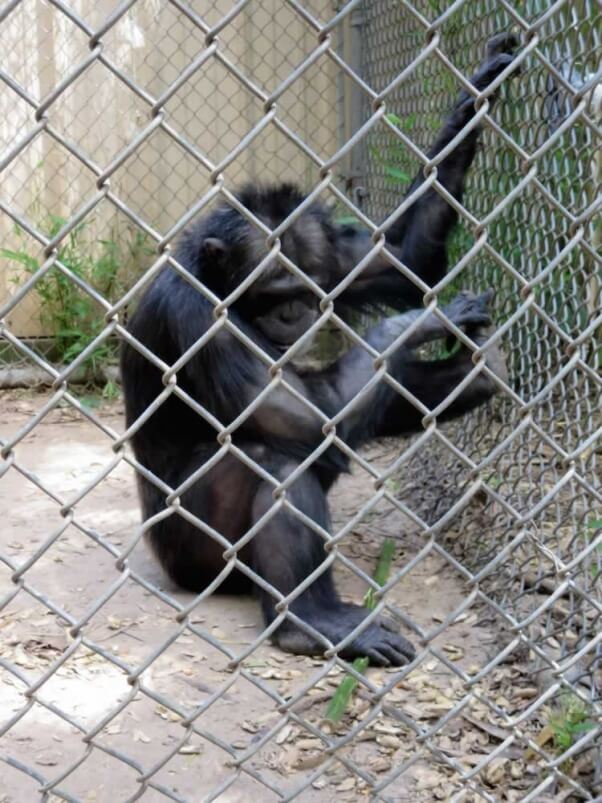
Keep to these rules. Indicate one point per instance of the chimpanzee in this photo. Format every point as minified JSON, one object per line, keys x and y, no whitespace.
{"x":280,"y":415}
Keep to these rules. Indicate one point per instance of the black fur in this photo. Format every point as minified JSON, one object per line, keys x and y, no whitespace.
{"x":224,"y":377}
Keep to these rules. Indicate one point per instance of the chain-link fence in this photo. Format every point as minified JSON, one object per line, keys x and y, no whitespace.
{"x":122,"y":123}
{"x":548,"y":282}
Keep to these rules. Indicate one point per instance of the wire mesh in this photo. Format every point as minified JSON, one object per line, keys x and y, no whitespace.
{"x":550,"y":299}
{"x":122,"y":124}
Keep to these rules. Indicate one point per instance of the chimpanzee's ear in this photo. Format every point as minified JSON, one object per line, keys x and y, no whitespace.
{"x":213,"y":249}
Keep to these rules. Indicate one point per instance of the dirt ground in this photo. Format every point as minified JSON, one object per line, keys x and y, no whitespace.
{"x":76,"y":719}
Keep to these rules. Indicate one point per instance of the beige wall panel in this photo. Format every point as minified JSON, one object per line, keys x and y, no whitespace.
{"x":100,"y":114}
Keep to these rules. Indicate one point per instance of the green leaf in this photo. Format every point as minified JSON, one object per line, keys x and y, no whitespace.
{"x":339,"y":701}
{"x":393,"y":118}
{"x":21,"y":257}
{"x":110,"y":391}
{"x":56,"y":223}
{"x":90,"y":401}
{"x":382,"y":571}
{"x":584,"y":727}
{"x":404,"y":124}
{"x":67,"y":331}
{"x":397,"y":173}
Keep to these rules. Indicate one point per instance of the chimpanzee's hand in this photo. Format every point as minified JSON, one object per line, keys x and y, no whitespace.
{"x":471,"y":313}
{"x":468,"y":311}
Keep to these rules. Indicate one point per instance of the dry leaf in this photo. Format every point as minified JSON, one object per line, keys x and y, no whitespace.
{"x":454,"y":653}
{"x":517,"y":770}
{"x":380,"y":764}
{"x":309,"y":744}
{"x":526,"y":693}
{"x":492,"y":730}
{"x":427,"y":779}
{"x":284,"y":734}
{"x":191,"y":750}
{"x":542,"y":738}
{"x":48,"y":759}
{"x":496,"y":770}
{"x":390,"y":742}
{"x":311,"y":762}
{"x":381,"y":727}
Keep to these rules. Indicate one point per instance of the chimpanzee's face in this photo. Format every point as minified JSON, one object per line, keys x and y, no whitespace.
{"x":287,"y":321}
{"x":283,"y":304}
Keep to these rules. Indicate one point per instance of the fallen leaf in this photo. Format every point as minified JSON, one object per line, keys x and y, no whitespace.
{"x":542,"y":738}
{"x":284,"y":734}
{"x":390,"y":742}
{"x":495,"y":771}
{"x":190,"y":750}
{"x":309,"y":744}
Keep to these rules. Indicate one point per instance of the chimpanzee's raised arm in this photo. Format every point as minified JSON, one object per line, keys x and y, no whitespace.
{"x":418,"y":237}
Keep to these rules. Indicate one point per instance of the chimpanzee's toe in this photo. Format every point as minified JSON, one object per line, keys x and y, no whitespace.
{"x":381,"y":646}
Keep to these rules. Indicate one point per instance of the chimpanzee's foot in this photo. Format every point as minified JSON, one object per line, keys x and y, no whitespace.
{"x":378,"y":641}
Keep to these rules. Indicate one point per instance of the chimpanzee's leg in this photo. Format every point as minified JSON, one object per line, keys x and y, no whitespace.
{"x":222,"y":499}
{"x":230,"y":498}
{"x":285,"y":552}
